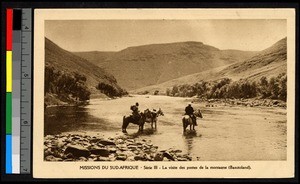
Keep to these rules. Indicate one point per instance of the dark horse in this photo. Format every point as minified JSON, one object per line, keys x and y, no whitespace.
{"x":151,"y":116}
{"x":187,"y":120}
{"x":130,"y":119}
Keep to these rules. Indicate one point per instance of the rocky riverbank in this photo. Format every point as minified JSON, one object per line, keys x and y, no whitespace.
{"x":244,"y":102}
{"x":80,"y":147}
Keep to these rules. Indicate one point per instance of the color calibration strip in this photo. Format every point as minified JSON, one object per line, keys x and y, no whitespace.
{"x":26,"y":91}
{"x":8,"y":154}
{"x":18,"y":91}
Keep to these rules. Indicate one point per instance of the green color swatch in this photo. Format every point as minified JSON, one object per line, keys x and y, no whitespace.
{"x":8,"y":112}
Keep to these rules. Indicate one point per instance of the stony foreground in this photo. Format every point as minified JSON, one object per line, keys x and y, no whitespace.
{"x":76,"y":147}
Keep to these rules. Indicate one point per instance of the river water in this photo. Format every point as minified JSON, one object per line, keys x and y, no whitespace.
{"x":224,"y":134}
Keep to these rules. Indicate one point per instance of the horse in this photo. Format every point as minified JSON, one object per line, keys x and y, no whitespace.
{"x":130,"y":119}
{"x":151,"y":116}
{"x":187,"y":120}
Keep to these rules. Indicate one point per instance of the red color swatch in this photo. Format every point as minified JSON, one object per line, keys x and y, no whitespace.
{"x":9,"y":24}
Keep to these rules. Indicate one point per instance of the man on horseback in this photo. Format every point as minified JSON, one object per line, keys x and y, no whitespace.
{"x":189,"y":110}
{"x":135,"y":112}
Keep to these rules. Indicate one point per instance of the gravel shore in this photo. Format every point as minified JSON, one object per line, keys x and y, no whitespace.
{"x":77,"y":147}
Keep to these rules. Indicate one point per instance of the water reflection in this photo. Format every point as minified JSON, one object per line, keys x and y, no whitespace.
{"x":145,"y":132}
{"x":189,"y":139}
{"x":263,"y":131}
{"x":68,"y":119}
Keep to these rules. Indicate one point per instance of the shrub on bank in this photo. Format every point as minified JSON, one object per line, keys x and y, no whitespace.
{"x":273,"y":88}
{"x":66,"y":86}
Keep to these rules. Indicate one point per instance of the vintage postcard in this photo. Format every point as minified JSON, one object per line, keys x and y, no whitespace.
{"x":164,"y":93}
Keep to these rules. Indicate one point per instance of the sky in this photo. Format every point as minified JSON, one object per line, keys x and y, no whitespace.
{"x":115,"y":35}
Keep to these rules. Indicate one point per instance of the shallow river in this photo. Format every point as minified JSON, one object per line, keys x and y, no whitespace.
{"x":224,"y":134}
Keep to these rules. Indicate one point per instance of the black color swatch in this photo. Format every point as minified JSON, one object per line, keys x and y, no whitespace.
{"x":17,"y":19}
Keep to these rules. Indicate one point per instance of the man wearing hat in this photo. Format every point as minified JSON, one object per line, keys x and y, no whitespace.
{"x":189,"y":110}
{"x":135,"y":111}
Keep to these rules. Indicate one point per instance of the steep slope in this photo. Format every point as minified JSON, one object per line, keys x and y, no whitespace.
{"x":269,"y":63}
{"x":140,"y":66}
{"x":65,"y":61}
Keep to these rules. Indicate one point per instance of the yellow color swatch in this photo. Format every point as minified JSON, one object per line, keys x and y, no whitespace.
{"x":8,"y":71}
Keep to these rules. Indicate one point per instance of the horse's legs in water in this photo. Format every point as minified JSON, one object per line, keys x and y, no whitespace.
{"x":155,"y":124}
{"x":125,"y":124}
{"x":141,"y":126}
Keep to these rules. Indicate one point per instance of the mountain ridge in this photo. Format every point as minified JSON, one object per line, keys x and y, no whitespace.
{"x":269,"y":63}
{"x":140,"y":66}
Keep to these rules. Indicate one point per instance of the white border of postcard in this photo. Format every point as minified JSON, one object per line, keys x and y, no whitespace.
{"x":259,"y":169}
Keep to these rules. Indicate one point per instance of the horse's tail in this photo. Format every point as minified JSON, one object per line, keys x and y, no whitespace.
{"x":184,"y":124}
{"x":199,"y":113}
{"x":124,"y":126}
{"x":184,"y":121}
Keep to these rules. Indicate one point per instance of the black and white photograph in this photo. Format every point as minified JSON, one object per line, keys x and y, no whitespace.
{"x":165,"y":90}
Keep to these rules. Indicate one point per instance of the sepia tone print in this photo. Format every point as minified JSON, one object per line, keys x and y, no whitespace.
{"x":154,"y":94}
{"x":138,"y":76}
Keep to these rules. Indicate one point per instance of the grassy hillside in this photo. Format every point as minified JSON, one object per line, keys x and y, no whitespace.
{"x":140,"y":66}
{"x":66,"y":69}
{"x":269,"y":63}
